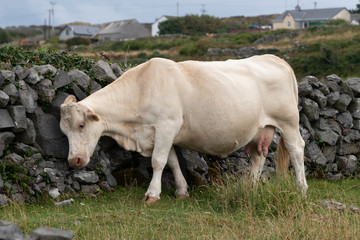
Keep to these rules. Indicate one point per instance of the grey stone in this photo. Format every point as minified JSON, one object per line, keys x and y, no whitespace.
{"x":49,"y":136}
{"x":332,"y":98}
{"x":6,"y":121}
{"x":313,"y":152}
{"x":4,"y":99}
{"x":354,"y":209}
{"x":43,"y":233}
{"x":328,"y":112}
{"x":304,"y":88}
{"x":23,"y":149}
{"x":311,"y":109}
{"x":33,"y":77}
{"x":80,"y":78}
{"x":18,"y":197}
{"x":323,"y":88}
{"x":94,"y":87}
{"x":306,"y":124}
{"x":333,"y":78}
{"x":345,"y":148}
{"x":195,"y":165}
{"x":29,"y":135}
{"x":329,"y":153}
{"x":342,"y":103}
{"x":54,"y":193}
{"x":92,"y":189}
{"x":345,"y":119}
{"x":28,"y":97}
{"x":5,"y":139}
{"x":351,"y":135}
{"x":335,"y":177}
{"x":347,"y":164}
{"x":56,"y":103}
{"x":10,"y":231}
{"x":13,"y":158}
{"x":62,"y":79}
{"x":21,"y":72}
{"x":11,"y":90}
{"x":334,"y":206}
{"x":117,"y":70}
{"x":345,"y":89}
{"x":7,"y":75}
{"x":354,"y":84}
{"x":18,"y":116}
{"x":103,"y":71}
{"x":4,"y":200}
{"x":104,"y":163}
{"x":318,"y":97}
{"x":86,"y":177}
{"x":45,"y":90}
{"x":333,"y":86}
{"x":354,"y":108}
{"x":327,"y":136}
{"x":356,"y":124}
{"x":48,"y":164}
{"x":55,"y":176}
{"x":78,"y":92}
{"x":45,"y":69}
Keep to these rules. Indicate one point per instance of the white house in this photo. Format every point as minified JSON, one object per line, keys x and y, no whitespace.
{"x":155,"y":25}
{"x":71,"y":31}
{"x":304,"y":18}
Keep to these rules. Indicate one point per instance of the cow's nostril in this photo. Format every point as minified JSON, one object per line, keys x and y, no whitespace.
{"x":76,"y":162}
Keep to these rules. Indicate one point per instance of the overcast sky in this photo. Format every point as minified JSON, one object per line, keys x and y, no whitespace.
{"x":34,"y":12}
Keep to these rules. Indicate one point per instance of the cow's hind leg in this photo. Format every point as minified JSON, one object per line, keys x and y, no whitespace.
{"x":295,"y":146}
{"x":180,"y":182}
{"x":257,"y":161}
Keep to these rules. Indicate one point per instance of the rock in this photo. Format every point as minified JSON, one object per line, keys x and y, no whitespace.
{"x":102,"y":70}
{"x":354,"y":84}
{"x":28,"y":97}
{"x":344,"y":148}
{"x":86,"y":177}
{"x":6,"y":121}
{"x":306,"y":124}
{"x":354,"y":108}
{"x":345,"y":89}
{"x":334,"y":205}
{"x":356,"y":123}
{"x":54,"y":193}
{"x":311,"y":109}
{"x":329,"y":153}
{"x":304,"y":88}
{"x":43,"y":233}
{"x":333,"y":86}
{"x":345,"y":119}
{"x":333,"y":78}
{"x":80,"y":78}
{"x":313,"y":152}
{"x":13,"y":93}
{"x":104,"y":163}
{"x":347,"y":164}
{"x":54,"y":175}
{"x":18,"y":116}
{"x":56,"y":103}
{"x":23,"y":149}
{"x":117,"y":70}
{"x":354,"y":209}
{"x":342,"y":103}
{"x":21,"y":72}
{"x":327,"y":136}
{"x":7,"y":75}
{"x":4,"y":99}
{"x":351,"y":135}
{"x":332,"y":98}
{"x":94,"y":87}
{"x":33,"y":77}
{"x":328,"y":112}
{"x":5,"y":139}
{"x":62,"y":79}
{"x":10,"y":231}
{"x":45,"y":70}
{"x":90,"y":189}
{"x":13,"y":158}
{"x":45,"y":90}
{"x":49,"y":136}
{"x":78,"y":92}
{"x":29,"y":135}
{"x":318,"y":97}
{"x":18,"y":197}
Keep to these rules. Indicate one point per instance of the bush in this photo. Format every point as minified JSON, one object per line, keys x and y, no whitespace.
{"x":4,"y":36}
{"x":77,"y":41}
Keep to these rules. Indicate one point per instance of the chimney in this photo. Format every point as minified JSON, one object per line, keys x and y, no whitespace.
{"x":297,"y":8}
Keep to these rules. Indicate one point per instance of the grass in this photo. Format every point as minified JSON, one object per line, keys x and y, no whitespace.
{"x":235,"y":210}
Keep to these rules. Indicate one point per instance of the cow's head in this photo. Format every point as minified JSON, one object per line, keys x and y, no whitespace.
{"x":83,"y":129}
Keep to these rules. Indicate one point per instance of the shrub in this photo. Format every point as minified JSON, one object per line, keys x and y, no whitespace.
{"x":4,"y":36}
{"x":77,"y":41}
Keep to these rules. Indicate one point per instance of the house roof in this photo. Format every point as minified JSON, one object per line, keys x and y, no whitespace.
{"x":84,"y":29}
{"x":121,"y":26}
{"x":310,"y":14}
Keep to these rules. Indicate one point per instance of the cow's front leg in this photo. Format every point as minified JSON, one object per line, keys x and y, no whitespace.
{"x":163,"y":143}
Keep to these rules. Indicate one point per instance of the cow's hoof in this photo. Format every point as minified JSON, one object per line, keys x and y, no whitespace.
{"x":150,"y":200}
{"x":182,"y":196}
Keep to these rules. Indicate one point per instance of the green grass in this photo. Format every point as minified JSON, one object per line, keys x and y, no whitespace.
{"x":235,"y":210}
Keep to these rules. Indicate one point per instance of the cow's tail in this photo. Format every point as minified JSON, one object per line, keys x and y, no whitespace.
{"x":283,"y":158}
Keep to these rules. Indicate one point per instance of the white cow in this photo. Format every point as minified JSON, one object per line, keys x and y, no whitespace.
{"x":210,"y":107}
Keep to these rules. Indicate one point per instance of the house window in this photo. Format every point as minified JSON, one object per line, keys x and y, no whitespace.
{"x":67,"y":32}
{"x":289,"y":24}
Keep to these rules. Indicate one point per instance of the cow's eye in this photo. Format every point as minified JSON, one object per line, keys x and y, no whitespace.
{"x":81,"y":126}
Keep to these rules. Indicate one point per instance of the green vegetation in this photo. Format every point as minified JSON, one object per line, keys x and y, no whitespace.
{"x":235,"y":210}
{"x":4,"y":36}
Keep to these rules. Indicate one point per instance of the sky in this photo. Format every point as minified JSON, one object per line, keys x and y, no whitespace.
{"x":36,"y":12}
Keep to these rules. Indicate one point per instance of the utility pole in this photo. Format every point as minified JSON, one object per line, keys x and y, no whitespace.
{"x":203,"y":11}
{"x":49,"y":24}
{"x":315,"y":3}
{"x":177,"y":9}
{"x":52,"y":12}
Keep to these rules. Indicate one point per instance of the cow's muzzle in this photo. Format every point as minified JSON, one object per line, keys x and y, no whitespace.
{"x":77,"y":161}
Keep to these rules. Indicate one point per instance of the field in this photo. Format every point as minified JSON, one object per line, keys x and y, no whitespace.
{"x":235,"y":210}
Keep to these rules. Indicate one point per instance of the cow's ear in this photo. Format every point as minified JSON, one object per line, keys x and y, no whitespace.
{"x":92,"y":115}
{"x":70,"y":99}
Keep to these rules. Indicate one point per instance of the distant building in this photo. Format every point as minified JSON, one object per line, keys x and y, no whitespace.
{"x":299,"y":18}
{"x":71,"y":31}
{"x":155,"y":25}
{"x":121,"y":30}
{"x":355,"y":19}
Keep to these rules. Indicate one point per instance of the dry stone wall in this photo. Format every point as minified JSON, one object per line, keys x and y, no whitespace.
{"x":33,"y":150}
